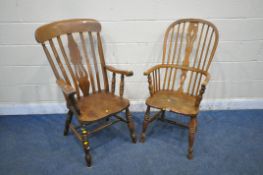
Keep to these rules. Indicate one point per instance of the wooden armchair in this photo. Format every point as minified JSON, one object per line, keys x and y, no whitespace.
{"x":81,"y":73}
{"x":178,"y":84}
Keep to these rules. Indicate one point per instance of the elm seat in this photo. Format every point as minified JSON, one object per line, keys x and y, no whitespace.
{"x":173,"y":101}
{"x":100,"y":105}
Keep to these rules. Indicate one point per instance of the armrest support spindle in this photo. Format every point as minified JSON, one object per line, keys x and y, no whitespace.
{"x":122,"y":85}
{"x":113,"y":82}
{"x":150,"y":84}
{"x":122,"y":73}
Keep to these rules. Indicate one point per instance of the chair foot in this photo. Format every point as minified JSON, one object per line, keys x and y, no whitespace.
{"x":142,"y":140}
{"x":134,"y":139}
{"x":192,"y":131}
{"x":190,"y":155}
{"x":145,"y":124}
{"x":88,"y":159}
{"x":131,"y":126}
{"x":67,"y":122}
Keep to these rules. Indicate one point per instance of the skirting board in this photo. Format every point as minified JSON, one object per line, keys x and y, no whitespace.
{"x":59,"y":108}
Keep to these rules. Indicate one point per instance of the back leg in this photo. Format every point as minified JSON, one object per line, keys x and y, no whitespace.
{"x":67,"y":122}
{"x":131,"y":125}
{"x":145,"y":123}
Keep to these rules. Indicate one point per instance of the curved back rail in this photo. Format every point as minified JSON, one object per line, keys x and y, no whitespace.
{"x":74,"y":50}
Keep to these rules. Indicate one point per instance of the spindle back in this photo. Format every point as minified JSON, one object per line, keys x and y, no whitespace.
{"x":74,"y":50}
{"x":188,"y":43}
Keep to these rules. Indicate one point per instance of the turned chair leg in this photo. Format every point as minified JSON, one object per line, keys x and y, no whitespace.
{"x":145,"y":124}
{"x":131,"y":125}
{"x":192,"y":131}
{"x":67,"y":122}
{"x":86,"y":147}
{"x":162,"y":115}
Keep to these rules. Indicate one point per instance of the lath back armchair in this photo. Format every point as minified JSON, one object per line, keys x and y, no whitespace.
{"x":74,"y":50}
{"x":179,"y":82}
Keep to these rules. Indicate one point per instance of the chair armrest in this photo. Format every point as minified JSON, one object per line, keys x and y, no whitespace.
{"x":67,"y":89}
{"x":173,"y":66}
{"x":206,"y":80}
{"x":118,"y":71}
{"x":150,"y":70}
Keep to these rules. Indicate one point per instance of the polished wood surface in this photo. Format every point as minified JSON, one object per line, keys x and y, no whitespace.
{"x":99,"y":105}
{"x":74,"y":50}
{"x":174,"y":102}
{"x":179,"y":82}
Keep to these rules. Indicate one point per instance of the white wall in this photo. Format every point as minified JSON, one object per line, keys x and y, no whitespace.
{"x":132,"y":33}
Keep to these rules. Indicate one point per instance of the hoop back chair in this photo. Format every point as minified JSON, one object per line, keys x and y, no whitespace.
{"x":74,"y":50}
{"x":178,"y":84}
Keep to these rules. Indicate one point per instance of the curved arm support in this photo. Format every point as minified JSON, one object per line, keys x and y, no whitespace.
{"x":175,"y":66}
{"x":69,"y":93}
{"x":113,"y":82}
{"x":154,"y":74}
{"x":202,"y":90}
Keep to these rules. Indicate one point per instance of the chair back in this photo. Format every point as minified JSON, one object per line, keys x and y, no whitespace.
{"x":189,"y":44}
{"x":74,"y":50}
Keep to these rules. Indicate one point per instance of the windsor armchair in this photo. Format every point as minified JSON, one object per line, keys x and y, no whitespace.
{"x":178,"y":84}
{"x":74,"y":50}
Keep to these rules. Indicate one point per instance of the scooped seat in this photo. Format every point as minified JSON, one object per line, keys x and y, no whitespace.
{"x":99,"y":105}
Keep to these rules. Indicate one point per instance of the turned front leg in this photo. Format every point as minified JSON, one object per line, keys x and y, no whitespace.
{"x":86,"y":147}
{"x":145,"y":123}
{"x":131,"y":125}
{"x":192,"y":131}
